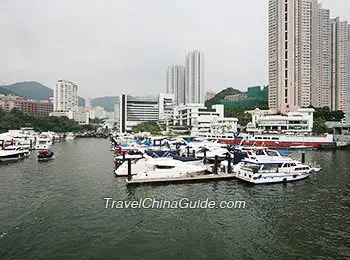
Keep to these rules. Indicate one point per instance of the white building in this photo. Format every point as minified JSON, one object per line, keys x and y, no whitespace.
{"x":65,"y":101}
{"x":176,"y":83}
{"x":194,"y":78}
{"x":307,"y":56}
{"x":299,"y":121}
{"x":65,"y":96}
{"x":79,"y":117}
{"x":135,"y":110}
{"x":202,"y":121}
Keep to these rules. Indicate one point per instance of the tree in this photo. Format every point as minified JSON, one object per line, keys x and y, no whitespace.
{"x":151,"y":127}
{"x":319,"y":126}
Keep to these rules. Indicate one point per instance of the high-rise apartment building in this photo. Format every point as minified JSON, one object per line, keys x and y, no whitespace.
{"x":306,"y":52}
{"x":348,"y":78}
{"x":339,"y":37}
{"x":65,"y":96}
{"x":194,"y":78}
{"x":176,"y":83}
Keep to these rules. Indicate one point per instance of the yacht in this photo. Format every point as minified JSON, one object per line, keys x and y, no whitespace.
{"x":18,"y":148}
{"x":273,"y":170}
{"x":12,"y":154}
{"x":160,"y":168}
{"x":70,"y":136}
{"x":43,"y":142}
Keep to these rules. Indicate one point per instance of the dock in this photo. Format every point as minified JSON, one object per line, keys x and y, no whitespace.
{"x":198,"y":178}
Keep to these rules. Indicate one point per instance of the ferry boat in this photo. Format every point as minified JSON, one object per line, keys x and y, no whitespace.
{"x":278,"y":140}
{"x":258,"y":171}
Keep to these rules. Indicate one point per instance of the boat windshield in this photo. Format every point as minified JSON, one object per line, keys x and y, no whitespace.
{"x":251,"y":166}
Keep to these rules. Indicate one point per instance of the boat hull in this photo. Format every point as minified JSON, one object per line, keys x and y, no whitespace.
{"x":278,"y":178}
{"x":277,"y":144}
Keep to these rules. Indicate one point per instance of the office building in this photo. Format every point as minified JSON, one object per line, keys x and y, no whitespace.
{"x":135,"y":110}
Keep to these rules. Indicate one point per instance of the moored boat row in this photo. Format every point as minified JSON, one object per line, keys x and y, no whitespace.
{"x":205,"y":160}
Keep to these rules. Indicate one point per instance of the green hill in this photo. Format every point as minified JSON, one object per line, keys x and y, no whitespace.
{"x":34,"y":90}
{"x":221,"y":95}
{"x":106,"y":102}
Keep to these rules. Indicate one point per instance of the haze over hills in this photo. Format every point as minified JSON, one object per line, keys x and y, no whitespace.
{"x":107,"y":102}
{"x":32,"y":90}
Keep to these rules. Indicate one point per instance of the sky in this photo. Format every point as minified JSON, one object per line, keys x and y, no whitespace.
{"x":109,"y":47}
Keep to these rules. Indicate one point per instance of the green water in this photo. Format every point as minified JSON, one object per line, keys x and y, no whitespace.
{"x":56,"y":210}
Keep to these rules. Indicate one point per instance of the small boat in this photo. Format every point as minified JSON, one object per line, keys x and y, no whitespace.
{"x":12,"y":155}
{"x":70,"y":136}
{"x":45,"y":155}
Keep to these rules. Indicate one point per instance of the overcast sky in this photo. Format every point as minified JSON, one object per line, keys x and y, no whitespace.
{"x":109,"y":47}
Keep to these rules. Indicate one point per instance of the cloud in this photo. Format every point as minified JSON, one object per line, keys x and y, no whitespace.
{"x":124,"y":46}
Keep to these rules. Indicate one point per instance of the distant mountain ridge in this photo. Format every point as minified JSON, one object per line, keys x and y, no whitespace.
{"x":5,"y":91}
{"x":106,"y":102}
{"x":33,"y":90}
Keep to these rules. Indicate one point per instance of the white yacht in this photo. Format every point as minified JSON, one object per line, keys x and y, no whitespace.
{"x":160,"y":168}
{"x":12,"y":154}
{"x":18,"y":148}
{"x":44,"y":141}
{"x":70,"y":136}
{"x":272,"y":170}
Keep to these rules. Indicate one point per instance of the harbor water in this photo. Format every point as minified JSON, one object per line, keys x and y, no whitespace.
{"x":56,"y":210}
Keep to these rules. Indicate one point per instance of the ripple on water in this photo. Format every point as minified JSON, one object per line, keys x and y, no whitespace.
{"x":56,"y":211}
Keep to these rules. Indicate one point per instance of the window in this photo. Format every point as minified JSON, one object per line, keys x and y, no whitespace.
{"x":286,"y":45}
{"x":286,"y":36}
{"x":286,"y":92}
{"x":286,"y":73}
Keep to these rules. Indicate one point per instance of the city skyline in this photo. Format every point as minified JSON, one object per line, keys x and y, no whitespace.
{"x":105,"y":52}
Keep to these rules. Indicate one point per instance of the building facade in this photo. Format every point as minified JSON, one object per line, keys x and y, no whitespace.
{"x":194,"y":78}
{"x":199,"y":120}
{"x":176,"y":83}
{"x":135,"y":110}
{"x":65,"y":96}
{"x":300,"y":121}
{"x":29,"y":107}
{"x":307,"y":56}
{"x":339,"y":37}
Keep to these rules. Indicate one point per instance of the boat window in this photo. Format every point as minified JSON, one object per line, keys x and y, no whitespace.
{"x":270,"y":167}
{"x":271,"y":153}
{"x":257,"y":138}
{"x":275,"y":138}
{"x":164,"y":167}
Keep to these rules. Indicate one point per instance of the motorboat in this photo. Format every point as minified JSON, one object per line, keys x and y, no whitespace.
{"x":261,"y":170}
{"x":44,"y":141}
{"x":45,"y":155}
{"x":12,"y":154}
{"x":158,"y":168}
{"x":20,"y":148}
{"x":70,"y":136}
